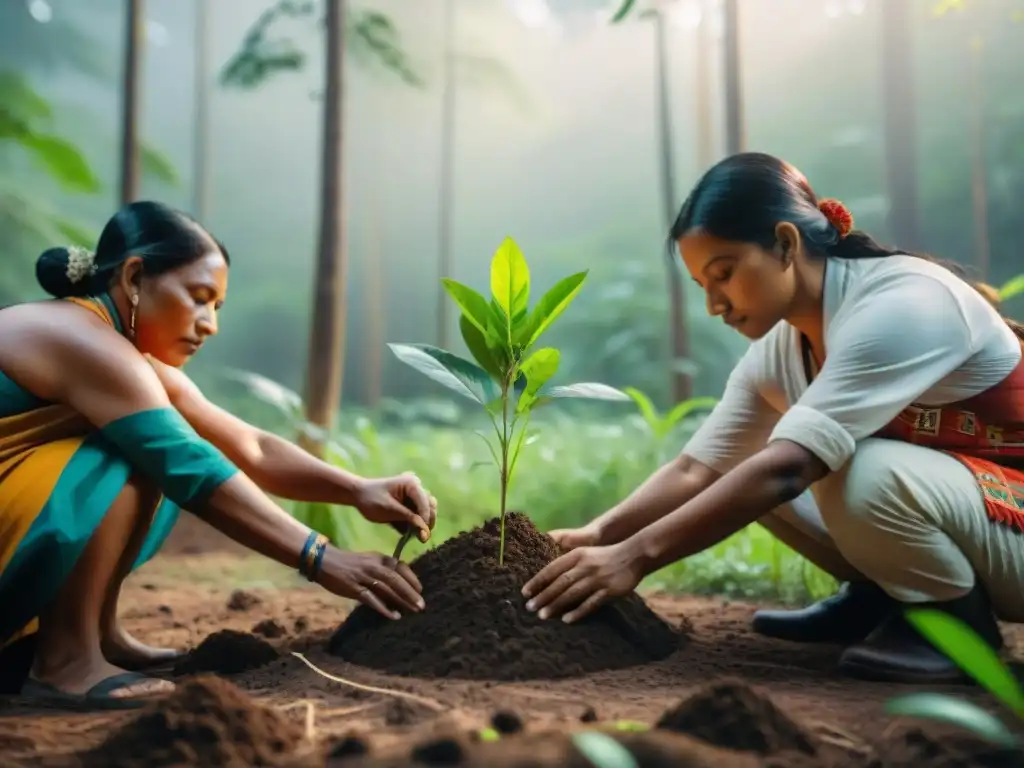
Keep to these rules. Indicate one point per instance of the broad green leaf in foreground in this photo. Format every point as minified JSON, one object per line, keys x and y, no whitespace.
{"x":602,"y":750}
{"x":462,"y":376}
{"x":969,"y":652}
{"x":477,"y":346}
{"x":63,"y":161}
{"x":936,"y":706}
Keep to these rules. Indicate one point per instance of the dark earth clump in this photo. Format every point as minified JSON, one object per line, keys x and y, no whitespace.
{"x":506,"y":722}
{"x":731,"y":714}
{"x":227,"y":653}
{"x":350,"y":746}
{"x":206,"y":721}
{"x":938,"y":748}
{"x":241,"y":600}
{"x":443,"y":751}
{"x":269,"y":628}
{"x":476,"y":626}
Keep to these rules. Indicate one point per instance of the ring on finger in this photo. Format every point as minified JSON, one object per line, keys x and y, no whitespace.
{"x":375,"y":583}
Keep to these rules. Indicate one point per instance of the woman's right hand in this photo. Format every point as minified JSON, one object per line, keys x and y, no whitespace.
{"x":375,"y":580}
{"x":572,"y":538}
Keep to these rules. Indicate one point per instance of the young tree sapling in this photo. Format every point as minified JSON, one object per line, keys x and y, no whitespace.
{"x":510,"y":374}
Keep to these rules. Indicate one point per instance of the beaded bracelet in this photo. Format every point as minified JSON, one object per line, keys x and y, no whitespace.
{"x":313,"y":555}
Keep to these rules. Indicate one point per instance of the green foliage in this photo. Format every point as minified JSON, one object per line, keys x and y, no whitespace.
{"x":509,"y":377}
{"x":623,"y":11}
{"x":976,"y":658}
{"x":1012,"y":288}
{"x":602,"y":750}
{"x":661,"y":425}
{"x":372,"y":36}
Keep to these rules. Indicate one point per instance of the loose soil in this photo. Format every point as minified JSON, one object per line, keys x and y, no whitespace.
{"x":476,"y":626}
{"x":711,"y":692}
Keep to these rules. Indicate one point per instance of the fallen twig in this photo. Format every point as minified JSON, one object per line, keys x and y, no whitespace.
{"x":429,"y":703}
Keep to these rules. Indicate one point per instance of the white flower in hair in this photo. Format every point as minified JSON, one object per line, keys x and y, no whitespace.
{"x":81,"y":264}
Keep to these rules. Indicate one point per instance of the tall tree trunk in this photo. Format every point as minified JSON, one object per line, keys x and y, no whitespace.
{"x":735,"y":128}
{"x":327,"y":334}
{"x":703,"y":77}
{"x":134,"y":40}
{"x":447,"y":191}
{"x":682,"y":384}
{"x":376,"y":331}
{"x":979,"y":170}
{"x":200,"y":128}
{"x":900,"y":129}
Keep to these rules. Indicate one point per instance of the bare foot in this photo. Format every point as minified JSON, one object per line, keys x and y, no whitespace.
{"x":125,"y":651}
{"x":83,"y":674}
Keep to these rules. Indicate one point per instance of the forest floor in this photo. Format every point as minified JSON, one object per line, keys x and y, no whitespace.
{"x":179,"y":599}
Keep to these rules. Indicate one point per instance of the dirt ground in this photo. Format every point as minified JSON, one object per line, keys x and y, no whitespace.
{"x":180,"y":599}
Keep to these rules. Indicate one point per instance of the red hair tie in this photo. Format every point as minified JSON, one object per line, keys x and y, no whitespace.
{"x":838,"y":216}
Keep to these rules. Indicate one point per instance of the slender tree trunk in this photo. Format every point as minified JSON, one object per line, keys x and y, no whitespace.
{"x":703,"y":77}
{"x":376,"y":332}
{"x":447,"y":191}
{"x":327,"y":334}
{"x":134,"y":40}
{"x":900,"y":111}
{"x":735,"y":128}
{"x":200,"y":137}
{"x":979,"y":170}
{"x":681,"y":381}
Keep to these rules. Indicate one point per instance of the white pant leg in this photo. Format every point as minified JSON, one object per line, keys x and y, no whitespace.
{"x":912,"y":520}
{"x":800,"y":526}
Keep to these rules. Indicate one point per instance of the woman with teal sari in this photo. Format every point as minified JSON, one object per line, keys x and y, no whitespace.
{"x":103,"y":439}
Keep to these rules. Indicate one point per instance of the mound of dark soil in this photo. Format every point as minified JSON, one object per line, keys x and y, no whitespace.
{"x":943,"y":749}
{"x":476,"y":626}
{"x":208,"y":722}
{"x":227,"y":653}
{"x":731,"y":714}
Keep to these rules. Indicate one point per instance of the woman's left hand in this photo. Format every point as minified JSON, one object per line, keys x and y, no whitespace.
{"x":384,"y":500}
{"x":578,"y":582}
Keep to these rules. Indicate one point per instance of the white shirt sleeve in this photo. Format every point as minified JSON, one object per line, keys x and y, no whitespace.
{"x":740,"y":423}
{"x":888,"y":345}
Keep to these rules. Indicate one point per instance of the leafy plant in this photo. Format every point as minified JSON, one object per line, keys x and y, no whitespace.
{"x":662,"y":424}
{"x":510,"y":375}
{"x":976,"y":658}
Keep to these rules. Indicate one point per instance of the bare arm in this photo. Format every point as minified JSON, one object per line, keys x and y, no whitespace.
{"x":277,"y":466}
{"x":777,"y":474}
{"x":666,"y":490}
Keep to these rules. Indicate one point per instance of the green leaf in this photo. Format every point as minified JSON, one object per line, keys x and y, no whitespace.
{"x":1013,"y":287}
{"x":647,"y":409}
{"x":63,"y":160}
{"x":551,"y":305}
{"x":936,"y":706}
{"x":498,"y":336}
{"x":462,"y":376}
{"x":473,"y":305}
{"x":969,"y":652}
{"x":538,"y":369}
{"x":488,"y":734}
{"x":477,"y":346}
{"x":632,"y":726}
{"x":510,"y":280}
{"x":685,"y":408}
{"x":623,"y":12}
{"x":602,"y":750}
{"x":157,"y":165}
{"x":589,"y":391}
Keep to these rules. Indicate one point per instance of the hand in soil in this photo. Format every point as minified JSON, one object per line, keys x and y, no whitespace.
{"x":120,"y":648}
{"x":574,"y":538}
{"x":579,"y":582}
{"x":400,"y":500}
{"x":375,"y":580}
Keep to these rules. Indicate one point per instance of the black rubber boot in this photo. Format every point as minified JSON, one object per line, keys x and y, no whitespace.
{"x":895,"y":652}
{"x":846,"y":617}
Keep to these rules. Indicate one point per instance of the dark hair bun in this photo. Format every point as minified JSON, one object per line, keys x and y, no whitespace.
{"x":52,"y":268}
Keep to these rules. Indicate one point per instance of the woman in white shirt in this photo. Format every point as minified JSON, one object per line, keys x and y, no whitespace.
{"x":876,"y":425}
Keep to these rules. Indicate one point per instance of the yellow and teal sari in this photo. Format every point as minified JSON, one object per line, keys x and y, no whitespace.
{"x":59,"y":475}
